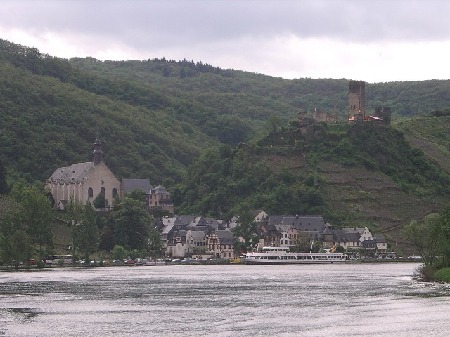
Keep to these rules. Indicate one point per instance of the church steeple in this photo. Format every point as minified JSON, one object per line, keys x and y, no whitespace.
{"x":98,"y":153}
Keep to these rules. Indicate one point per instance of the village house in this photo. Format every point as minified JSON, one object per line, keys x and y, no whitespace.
{"x":220,"y":244}
{"x":289,"y":229}
{"x":156,"y":198}
{"x":84,"y":182}
{"x":197,"y":237}
{"x":159,"y":199}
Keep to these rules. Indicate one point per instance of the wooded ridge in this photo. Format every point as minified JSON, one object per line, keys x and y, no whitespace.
{"x":179,"y":123}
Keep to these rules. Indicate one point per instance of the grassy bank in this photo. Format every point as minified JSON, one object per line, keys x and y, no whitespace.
{"x":442,"y":275}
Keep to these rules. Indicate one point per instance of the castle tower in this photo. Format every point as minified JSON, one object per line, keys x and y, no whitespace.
{"x":98,"y":153}
{"x":357,"y":98}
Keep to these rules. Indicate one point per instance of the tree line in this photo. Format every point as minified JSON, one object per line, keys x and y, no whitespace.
{"x":28,"y":222}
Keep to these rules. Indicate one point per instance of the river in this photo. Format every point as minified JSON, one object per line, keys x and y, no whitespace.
{"x":224,"y":300}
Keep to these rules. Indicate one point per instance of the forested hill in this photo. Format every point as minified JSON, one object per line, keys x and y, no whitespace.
{"x":155,"y":117}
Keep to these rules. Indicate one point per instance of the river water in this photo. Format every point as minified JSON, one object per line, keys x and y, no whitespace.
{"x":224,"y":300}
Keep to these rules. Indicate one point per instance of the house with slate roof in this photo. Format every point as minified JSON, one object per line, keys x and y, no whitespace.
{"x":289,"y":229}
{"x":196,"y":236}
{"x":83,"y":182}
{"x":381,"y":243}
{"x":292,"y":227}
{"x":159,"y":198}
{"x":130,"y":185}
{"x":156,"y":198}
{"x":220,"y":244}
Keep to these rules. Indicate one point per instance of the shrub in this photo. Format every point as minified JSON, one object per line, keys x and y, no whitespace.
{"x":442,"y":275}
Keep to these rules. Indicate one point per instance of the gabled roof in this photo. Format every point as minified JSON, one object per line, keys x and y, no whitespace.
{"x":198,"y":236}
{"x":340,"y":235}
{"x":225,"y":237}
{"x":184,"y":220}
{"x":168,"y":226}
{"x":130,"y":185}
{"x":276,"y":219}
{"x":379,"y":238}
{"x":310,"y":223}
{"x":158,"y":190}
{"x":75,"y":173}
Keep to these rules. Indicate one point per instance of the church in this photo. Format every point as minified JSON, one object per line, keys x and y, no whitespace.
{"x":83,"y":182}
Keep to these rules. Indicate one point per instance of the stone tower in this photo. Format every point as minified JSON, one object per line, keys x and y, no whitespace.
{"x":357,"y":98}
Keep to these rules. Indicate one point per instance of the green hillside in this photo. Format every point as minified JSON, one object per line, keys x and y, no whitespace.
{"x":180,"y":123}
{"x":352,"y":174}
{"x":51,"y":121}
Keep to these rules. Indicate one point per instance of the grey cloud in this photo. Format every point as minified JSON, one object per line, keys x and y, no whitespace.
{"x":163,"y":23}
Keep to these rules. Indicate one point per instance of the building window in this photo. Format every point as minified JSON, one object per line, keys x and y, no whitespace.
{"x":90,"y":192}
{"x":102,"y":191}
{"x":115,"y":194}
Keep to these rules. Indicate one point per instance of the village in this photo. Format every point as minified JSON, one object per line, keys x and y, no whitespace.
{"x":202,"y":238}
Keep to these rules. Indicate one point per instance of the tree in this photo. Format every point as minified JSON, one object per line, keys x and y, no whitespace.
{"x":445,"y":218}
{"x":25,"y":224}
{"x":155,"y":245}
{"x":85,"y":232}
{"x":303,"y":244}
{"x":131,"y":223}
{"x":247,"y":230}
{"x":427,"y":237}
{"x":119,"y":253}
{"x":15,"y":245}
{"x":36,"y":217}
{"x":100,"y":201}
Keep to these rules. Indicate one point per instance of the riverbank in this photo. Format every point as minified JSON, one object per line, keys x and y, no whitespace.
{"x":432,"y":274}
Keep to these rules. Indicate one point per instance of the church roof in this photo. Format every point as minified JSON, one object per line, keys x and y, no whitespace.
{"x":129,"y":185}
{"x":75,"y":173}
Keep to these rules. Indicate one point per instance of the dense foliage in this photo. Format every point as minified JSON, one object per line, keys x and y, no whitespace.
{"x":156,"y":116}
{"x":226,"y":182}
{"x":431,"y":238}
{"x":25,"y":225}
{"x":180,"y":123}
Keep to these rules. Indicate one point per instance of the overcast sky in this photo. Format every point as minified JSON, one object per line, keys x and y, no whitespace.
{"x":371,"y":40}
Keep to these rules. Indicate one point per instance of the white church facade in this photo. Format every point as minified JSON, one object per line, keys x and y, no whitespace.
{"x":83,"y":182}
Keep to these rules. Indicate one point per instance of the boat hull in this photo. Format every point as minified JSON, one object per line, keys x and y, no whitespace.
{"x":276,"y":262}
{"x":281,"y":257}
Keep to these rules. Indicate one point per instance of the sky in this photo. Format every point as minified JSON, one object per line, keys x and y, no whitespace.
{"x":370,"y":40}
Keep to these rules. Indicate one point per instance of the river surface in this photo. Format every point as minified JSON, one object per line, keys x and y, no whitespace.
{"x":224,"y":300}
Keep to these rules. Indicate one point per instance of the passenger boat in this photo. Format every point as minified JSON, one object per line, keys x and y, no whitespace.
{"x":281,"y":255}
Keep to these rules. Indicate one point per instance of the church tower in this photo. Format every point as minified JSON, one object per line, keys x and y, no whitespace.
{"x":98,"y":153}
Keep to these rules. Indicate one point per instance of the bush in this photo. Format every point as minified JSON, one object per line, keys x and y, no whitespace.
{"x":442,"y":275}
{"x":426,"y":273}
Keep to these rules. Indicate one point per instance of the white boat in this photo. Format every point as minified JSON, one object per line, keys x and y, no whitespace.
{"x":281,"y":255}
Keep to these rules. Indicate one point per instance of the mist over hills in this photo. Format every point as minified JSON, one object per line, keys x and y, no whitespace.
{"x":175,"y":122}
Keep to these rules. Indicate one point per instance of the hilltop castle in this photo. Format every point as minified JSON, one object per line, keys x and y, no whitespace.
{"x":356,"y":109}
{"x":357,"y":106}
